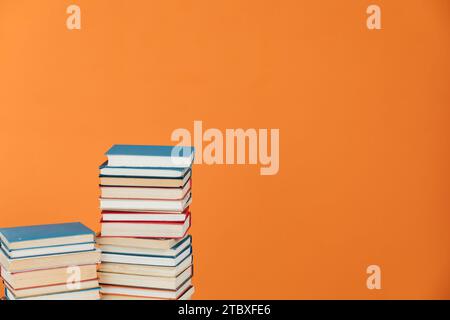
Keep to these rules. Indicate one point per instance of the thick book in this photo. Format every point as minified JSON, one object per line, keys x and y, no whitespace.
{"x":146,"y":229}
{"x":146,"y":270}
{"x":145,"y":192}
{"x":131,"y":280}
{"x":146,"y":204}
{"x":44,"y":251}
{"x":187,"y":295}
{"x":87,"y":294}
{"x":155,"y":172}
{"x":50,"y":261}
{"x":164,"y":216}
{"x":46,"y":277}
{"x":127,"y":292}
{"x":150,"y":260}
{"x":172,"y":252}
{"x":121,"y":155}
{"x":45,"y":235}
{"x":162,"y":244}
{"x":107,"y":180}
{"x":45,"y":290}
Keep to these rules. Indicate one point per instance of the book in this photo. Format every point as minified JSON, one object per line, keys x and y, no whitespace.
{"x":51,"y":261}
{"x":145,"y":192}
{"x":150,"y":156}
{"x":45,"y":235}
{"x":146,"y":204}
{"x":130,"y":280}
{"x":174,"y":251}
{"x":187,"y":295}
{"x":126,"y":291}
{"x":146,"y":270}
{"x":106,"y":180}
{"x":45,"y":290}
{"x":145,"y":215}
{"x":162,"y":244}
{"x":45,"y":277}
{"x":147,"y":260}
{"x":87,"y":294}
{"x":145,"y":229}
{"x":106,"y":170}
{"x":42,"y":251}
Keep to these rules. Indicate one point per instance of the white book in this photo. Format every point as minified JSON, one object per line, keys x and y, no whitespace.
{"x":163,"y":244}
{"x":145,"y":292}
{"x":88,"y":294}
{"x":106,"y":170}
{"x":145,"y":204}
{"x":147,"y":260}
{"x":131,"y":280}
{"x":157,"y":271}
{"x":145,"y":229}
{"x":143,"y":216}
{"x":45,"y":290}
{"x":145,"y":192}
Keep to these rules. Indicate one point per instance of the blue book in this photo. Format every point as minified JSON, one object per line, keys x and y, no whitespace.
{"x":45,"y":236}
{"x":121,"y":155}
{"x":173,"y":252}
{"x":142,"y":172}
{"x":149,"y":260}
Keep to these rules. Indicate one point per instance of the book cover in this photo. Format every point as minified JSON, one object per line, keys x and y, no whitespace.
{"x":47,"y":231}
{"x":149,"y":151}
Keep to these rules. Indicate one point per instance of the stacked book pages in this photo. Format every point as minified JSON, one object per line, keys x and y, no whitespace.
{"x":145,"y":199}
{"x":49,"y":262}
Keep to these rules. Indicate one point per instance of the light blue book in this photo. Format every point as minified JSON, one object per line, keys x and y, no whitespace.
{"x":45,"y":239}
{"x":139,"y":172}
{"x":121,"y":155}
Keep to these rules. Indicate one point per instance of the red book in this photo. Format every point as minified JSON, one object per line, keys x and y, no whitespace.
{"x":146,"y":229}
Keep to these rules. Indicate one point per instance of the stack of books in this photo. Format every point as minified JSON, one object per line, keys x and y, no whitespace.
{"x":49,"y":262}
{"x":145,"y":198}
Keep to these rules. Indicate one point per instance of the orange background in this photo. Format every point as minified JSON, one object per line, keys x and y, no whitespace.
{"x":363,"y":117}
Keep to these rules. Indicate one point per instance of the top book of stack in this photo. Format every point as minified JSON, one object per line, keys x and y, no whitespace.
{"x":156,"y":157}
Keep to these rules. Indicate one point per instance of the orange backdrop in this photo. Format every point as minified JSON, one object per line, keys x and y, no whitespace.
{"x":363,"y":118}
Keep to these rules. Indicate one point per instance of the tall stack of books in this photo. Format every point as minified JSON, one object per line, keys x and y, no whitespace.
{"x":49,"y":262}
{"x":145,"y":198}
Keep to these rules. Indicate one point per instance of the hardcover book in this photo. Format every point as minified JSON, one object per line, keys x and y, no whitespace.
{"x":115,"y":292}
{"x":156,"y":172}
{"x":145,"y":181}
{"x":145,"y":192}
{"x":131,"y":280}
{"x":149,"y":260}
{"x":146,"y":229}
{"x":121,"y":155}
{"x":45,"y":235}
{"x":145,"y":204}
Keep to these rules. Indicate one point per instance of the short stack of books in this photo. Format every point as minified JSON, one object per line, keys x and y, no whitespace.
{"x":49,"y":262}
{"x":145,"y":198}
